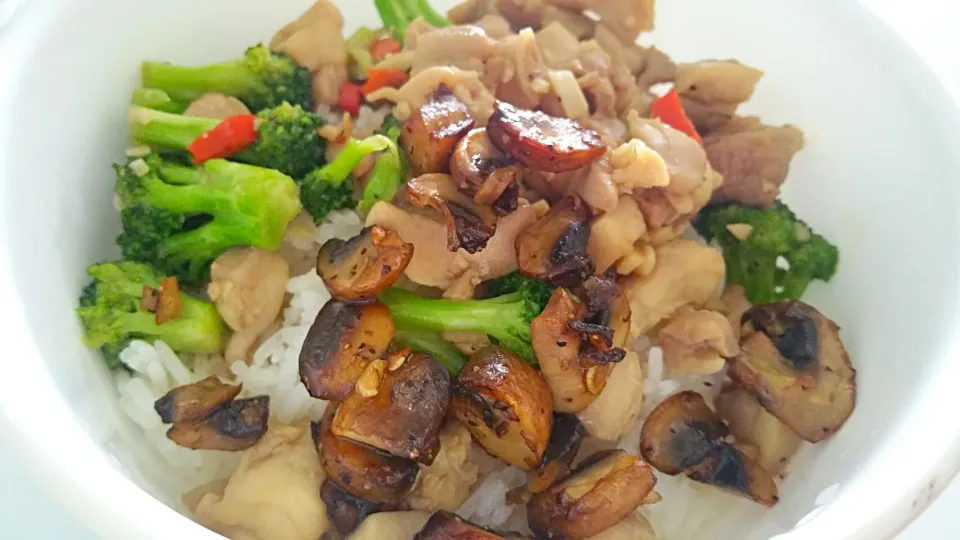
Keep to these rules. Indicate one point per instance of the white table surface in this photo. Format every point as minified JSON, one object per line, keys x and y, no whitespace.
{"x":28,"y":513}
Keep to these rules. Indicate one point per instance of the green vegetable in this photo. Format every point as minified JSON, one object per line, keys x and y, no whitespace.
{"x":504,"y":318}
{"x":534,"y":290}
{"x":358,"y":49}
{"x":111,"y":315}
{"x":180,"y":218}
{"x":151,"y":98}
{"x":287,"y":138}
{"x":768,"y":234}
{"x":398,"y":14}
{"x":260,"y":78}
{"x":389,"y":173}
{"x":425,"y":341}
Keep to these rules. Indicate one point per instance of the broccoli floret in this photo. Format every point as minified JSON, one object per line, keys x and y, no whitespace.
{"x":754,"y":239}
{"x":112,"y":318}
{"x":180,"y":218}
{"x":287,"y":138}
{"x":505,"y":319}
{"x":432,"y":343}
{"x":330,"y":187}
{"x":398,"y":14}
{"x":534,"y":290}
{"x":260,"y":79}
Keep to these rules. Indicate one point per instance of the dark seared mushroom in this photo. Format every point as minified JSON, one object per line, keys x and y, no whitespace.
{"x":482,"y":171}
{"x":682,"y":435}
{"x":605,"y":488}
{"x":554,"y":249}
{"x":447,"y":526}
{"x":543,"y":142}
{"x":345,"y":511}
{"x":397,"y":406}
{"x":361,"y":470}
{"x":565,"y":439}
{"x":792,"y":359}
{"x":506,"y":405}
{"x":362,"y":267}
{"x":192,"y":402}
{"x":773,"y":442}
{"x":469,"y":225}
{"x":231,"y":427}
{"x":341,"y":343}
{"x":431,"y":133}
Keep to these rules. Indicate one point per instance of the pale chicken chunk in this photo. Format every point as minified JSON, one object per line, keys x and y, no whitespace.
{"x":637,"y":166}
{"x":517,"y":71}
{"x":733,"y":303}
{"x":613,"y":235}
{"x":713,"y":89}
{"x":216,"y":105}
{"x":449,"y":480}
{"x":697,"y":342}
{"x":248,"y":286}
{"x":686,"y":273}
{"x":495,"y":26}
{"x":417,"y":91}
{"x":462,"y":47}
{"x":595,"y":185}
{"x":390,"y":526}
{"x":626,"y":18}
{"x":573,"y":21}
{"x":558,"y":46}
{"x":315,"y":39}
{"x":753,"y":158}
{"x":615,"y":411}
{"x":472,"y":10}
{"x":274,"y":493}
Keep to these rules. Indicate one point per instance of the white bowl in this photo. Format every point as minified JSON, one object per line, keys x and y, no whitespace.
{"x":877,"y":177}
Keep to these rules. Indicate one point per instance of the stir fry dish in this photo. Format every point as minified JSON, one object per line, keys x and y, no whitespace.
{"x":496,"y":273}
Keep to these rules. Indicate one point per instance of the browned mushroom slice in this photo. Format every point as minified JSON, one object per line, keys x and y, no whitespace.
{"x":447,"y":526}
{"x":431,"y":133}
{"x":231,"y":427}
{"x":397,"y":406}
{"x":469,"y":225}
{"x":344,"y":510}
{"x":682,"y":435}
{"x":565,"y":439}
{"x":792,"y":359}
{"x":573,"y":384}
{"x":506,"y":405}
{"x":543,"y":142}
{"x":554,"y":249}
{"x":480,"y":170}
{"x":751,"y":424}
{"x":363,"y":266}
{"x":361,"y":470}
{"x":341,"y":343}
{"x":193,"y":401}
{"x":605,"y":488}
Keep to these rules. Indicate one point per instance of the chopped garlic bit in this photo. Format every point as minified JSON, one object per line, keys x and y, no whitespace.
{"x":740,"y":231}
{"x":138,"y":151}
{"x":139,"y":167}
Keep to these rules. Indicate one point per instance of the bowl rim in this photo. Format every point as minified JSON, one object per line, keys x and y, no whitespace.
{"x":101,"y":497}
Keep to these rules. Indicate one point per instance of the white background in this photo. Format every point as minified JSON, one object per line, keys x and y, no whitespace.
{"x":26,"y":513}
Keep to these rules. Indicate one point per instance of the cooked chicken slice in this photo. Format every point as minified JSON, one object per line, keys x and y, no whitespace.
{"x":463,"y":47}
{"x":448,"y":482}
{"x":626,"y":18}
{"x":518,"y":71}
{"x":274,"y":493}
{"x":753,"y":158}
{"x":595,"y":185}
{"x":470,"y":11}
{"x":216,"y":105}
{"x":248,"y":286}
{"x":315,"y":41}
{"x":637,"y":166}
{"x":558,"y":46}
{"x":615,"y":411}
{"x":417,"y":28}
{"x":713,"y":89}
{"x":574,"y":21}
{"x":416,"y":92}
{"x":613,"y":234}
{"x":495,"y":26}
{"x":686,"y":273}
{"x":734,"y":304}
{"x":697,"y":342}
{"x":390,"y":526}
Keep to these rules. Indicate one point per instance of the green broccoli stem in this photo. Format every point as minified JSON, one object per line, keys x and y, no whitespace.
{"x":166,"y":130}
{"x":186,"y":83}
{"x":197,"y":329}
{"x":423,"y":9}
{"x":338,"y":170}
{"x":398,"y":14}
{"x":358,"y":49}
{"x":425,"y":341}
{"x":387,"y":176}
{"x":794,"y":286}
{"x":152,"y":98}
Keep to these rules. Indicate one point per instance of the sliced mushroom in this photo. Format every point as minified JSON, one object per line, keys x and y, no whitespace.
{"x":404,"y":410}
{"x":431,"y":133}
{"x":343,"y":509}
{"x":682,"y":435}
{"x":341,"y":343}
{"x":447,"y":526}
{"x":543,"y":142}
{"x":751,"y":424}
{"x":231,"y":427}
{"x":362,"y":267}
{"x":605,"y":488}
{"x":554,"y":249}
{"x":566,"y":437}
{"x":792,"y":359}
{"x":506,"y":405}
{"x":361,"y":470}
{"x":480,"y":170}
{"x":574,"y":384}
{"x":469,"y":225}
{"x":192,"y":402}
